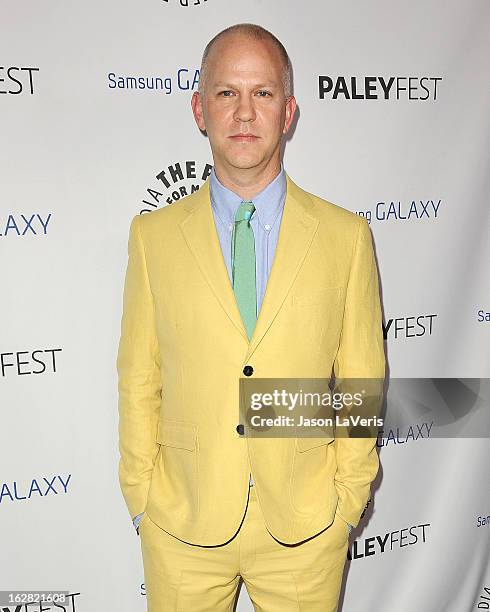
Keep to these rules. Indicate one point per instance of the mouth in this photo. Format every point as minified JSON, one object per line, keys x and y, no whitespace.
{"x":244,"y":138}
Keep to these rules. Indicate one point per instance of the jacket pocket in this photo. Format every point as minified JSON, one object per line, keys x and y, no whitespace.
{"x":175,"y":480}
{"x":177,"y":434}
{"x":305,"y":444}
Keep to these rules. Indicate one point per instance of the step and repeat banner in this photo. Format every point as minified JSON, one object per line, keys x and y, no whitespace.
{"x":96,"y":127}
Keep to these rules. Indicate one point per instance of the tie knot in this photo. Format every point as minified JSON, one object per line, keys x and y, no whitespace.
{"x":245,"y":211}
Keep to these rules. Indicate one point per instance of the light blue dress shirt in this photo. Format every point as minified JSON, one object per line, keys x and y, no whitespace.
{"x":265,"y":222}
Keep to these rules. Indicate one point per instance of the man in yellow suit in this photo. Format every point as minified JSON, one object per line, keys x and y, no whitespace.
{"x":250,"y":276}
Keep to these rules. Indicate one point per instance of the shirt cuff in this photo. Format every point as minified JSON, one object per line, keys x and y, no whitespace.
{"x":137,"y":520}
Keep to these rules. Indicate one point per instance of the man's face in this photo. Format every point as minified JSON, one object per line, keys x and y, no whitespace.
{"x":243,"y":108}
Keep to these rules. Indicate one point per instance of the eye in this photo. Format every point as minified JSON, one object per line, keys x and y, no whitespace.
{"x":265,"y":92}
{"x":227,"y":91}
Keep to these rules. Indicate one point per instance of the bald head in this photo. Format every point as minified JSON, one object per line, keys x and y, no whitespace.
{"x":241,"y":31}
{"x":243,"y":104}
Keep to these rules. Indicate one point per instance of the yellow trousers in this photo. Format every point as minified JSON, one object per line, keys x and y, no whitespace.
{"x":306,"y":577}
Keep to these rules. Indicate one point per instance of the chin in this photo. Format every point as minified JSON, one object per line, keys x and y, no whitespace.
{"x":244,"y":161}
{"x":244,"y":165}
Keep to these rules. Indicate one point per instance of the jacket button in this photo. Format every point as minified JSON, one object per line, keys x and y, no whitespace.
{"x":248,"y":370}
{"x":240,"y":429}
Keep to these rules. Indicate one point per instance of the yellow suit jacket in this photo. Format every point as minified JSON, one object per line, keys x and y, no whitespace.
{"x":182,"y":351}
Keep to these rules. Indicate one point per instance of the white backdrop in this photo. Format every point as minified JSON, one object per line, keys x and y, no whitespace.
{"x":80,"y":155}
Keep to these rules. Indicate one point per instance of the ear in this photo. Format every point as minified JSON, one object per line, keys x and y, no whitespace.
{"x":196,"y":104}
{"x":290,"y":110}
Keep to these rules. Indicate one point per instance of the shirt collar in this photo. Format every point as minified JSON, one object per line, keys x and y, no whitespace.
{"x":267,"y":203}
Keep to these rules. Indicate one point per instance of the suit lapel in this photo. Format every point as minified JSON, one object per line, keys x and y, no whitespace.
{"x":202,"y":238}
{"x":298,"y":226}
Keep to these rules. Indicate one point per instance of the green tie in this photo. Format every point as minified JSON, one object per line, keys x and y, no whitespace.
{"x":243,"y":266}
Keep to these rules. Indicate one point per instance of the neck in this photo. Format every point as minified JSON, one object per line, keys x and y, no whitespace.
{"x":247,"y":182}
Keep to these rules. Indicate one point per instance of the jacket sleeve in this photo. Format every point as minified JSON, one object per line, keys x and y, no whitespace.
{"x":139,"y":382}
{"x":360,"y":356}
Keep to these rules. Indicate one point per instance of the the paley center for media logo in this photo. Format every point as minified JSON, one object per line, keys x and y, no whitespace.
{"x":174,"y":182}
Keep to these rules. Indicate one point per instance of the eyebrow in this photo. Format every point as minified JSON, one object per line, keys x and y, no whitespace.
{"x":231,"y":86}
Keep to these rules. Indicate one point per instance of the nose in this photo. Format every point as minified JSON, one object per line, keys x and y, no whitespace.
{"x":245,"y":110}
